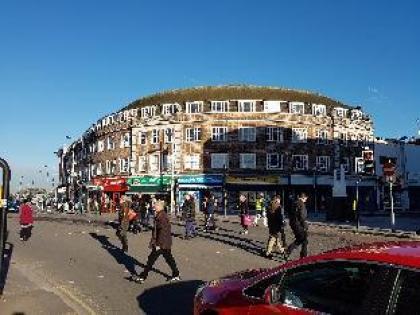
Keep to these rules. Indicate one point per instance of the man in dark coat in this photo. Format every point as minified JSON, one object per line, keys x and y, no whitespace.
{"x":160,"y":244}
{"x":297,"y":220}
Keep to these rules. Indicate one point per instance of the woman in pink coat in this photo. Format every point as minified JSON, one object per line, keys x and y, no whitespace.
{"x":26,"y":220}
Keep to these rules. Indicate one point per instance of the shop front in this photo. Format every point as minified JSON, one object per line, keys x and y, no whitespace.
{"x":200,"y":186}
{"x":148,"y":186}
{"x":251,"y":186}
{"x":112,"y":190}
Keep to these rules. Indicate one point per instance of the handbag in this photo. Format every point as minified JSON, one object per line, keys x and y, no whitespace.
{"x":131,"y":215}
{"x":247,"y":220}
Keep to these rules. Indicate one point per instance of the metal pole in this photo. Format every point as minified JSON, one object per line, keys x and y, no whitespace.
{"x":224,"y":192}
{"x":391,"y":199}
{"x":4,"y":196}
{"x":357,"y":205}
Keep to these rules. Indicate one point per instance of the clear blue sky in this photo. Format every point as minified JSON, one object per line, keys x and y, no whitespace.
{"x":63,"y":64}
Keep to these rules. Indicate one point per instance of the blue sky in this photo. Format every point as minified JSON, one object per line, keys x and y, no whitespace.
{"x":63,"y":64}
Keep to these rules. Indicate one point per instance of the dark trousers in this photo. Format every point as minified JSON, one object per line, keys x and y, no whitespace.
{"x":190,"y":227}
{"x":154,"y":255}
{"x":301,"y":239}
{"x":25,"y":232}
{"x":122,"y":235}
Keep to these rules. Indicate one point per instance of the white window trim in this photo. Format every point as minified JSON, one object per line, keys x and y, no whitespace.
{"x":241,"y":106}
{"x":321,"y":140}
{"x":101,"y":146}
{"x":291,"y":108}
{"x":315,"y":109}
{"x":142,"y":166}
{"x":356,"y":114}
{"x":154,"y":167}
{"x":154,"y":136}
{"x":225,"y":106}
{"x":327,"y":161}
{"x":340,"y":112}
{"x":279,"y":159}
{"x":192,"y":162}
{"x":305,"y":162}
{"x":188,"y":106}
{"x":142,"y":135}
{"x":170,"y":108}
{"x":222,"y":156}
{"x":219,"y":134}
{"x":169,"y":135}
{"x":274,"y":134}
{"x":242,"y":157}
{"x":196,"y":134}
{"x":301,"y":132}
{"x":148,"y":111}
{"x":247,"y":137}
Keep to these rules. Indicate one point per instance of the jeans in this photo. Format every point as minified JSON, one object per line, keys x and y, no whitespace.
{"x":154,"y":255}
{"x":25,"y":232}
{"x":189,"y":227}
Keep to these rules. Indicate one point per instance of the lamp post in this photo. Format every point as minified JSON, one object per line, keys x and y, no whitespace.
{"x":315,"y":169}
{"x":224,"y":191}
{"x":356,"y":204}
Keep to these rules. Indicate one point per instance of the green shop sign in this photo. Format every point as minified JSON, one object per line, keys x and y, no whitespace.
{"x":150,"y":181}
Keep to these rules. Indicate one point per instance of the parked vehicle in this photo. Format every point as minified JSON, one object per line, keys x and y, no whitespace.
{"x":380,"y":278}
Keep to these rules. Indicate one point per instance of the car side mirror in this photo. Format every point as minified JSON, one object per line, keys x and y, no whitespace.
{"x":271,"y":294}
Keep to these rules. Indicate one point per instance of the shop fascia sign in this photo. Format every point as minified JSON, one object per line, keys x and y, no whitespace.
{"x":201,"y":179}
{"x":149,"y":181}
{"x":270,"y":180}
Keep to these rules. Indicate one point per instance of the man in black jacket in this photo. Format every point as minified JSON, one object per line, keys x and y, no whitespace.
{"x":297,"y":220}
{"x":160,"y":244}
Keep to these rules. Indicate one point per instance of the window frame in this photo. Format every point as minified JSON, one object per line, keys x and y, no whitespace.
{"x":219,"y":133}
{"x":195,"y":136}
{"x":142,"y":163}
{"x":246,"y":137}
{"x":192,"y":161}
{"x":327,"y":166}
{"x":225,"y":160}
{"x":292,"y":109}
{"x":189,"y":106}
{"x":296,"y":131}
{"x":320,"y":139}
{"x":170,"y":108}
{"x":242,"y":159}
{"x":280,"y":161}
{"x":271,"y":132}
{"x":224,"y":106}
{"x":142,"y":137}
{"x":305,"y":162}
{"x":241,"y":108}
{"x":316,"y":107}
{"x":152,"y":164}
{"x":155,"y":136}
{"x":272,"y":106}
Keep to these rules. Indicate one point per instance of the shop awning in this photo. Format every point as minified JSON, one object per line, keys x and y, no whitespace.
{"x":149,"y":184}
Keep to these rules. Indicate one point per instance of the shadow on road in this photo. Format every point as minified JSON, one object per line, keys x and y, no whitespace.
{"x":174,"y":298}
{"x":8,"y":250}
{"x":122,"y":258}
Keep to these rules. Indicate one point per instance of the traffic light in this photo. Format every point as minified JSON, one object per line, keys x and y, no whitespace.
{"x":368,"y":162}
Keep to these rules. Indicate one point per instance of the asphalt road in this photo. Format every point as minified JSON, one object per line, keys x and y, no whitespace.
{"x":79,"y":268}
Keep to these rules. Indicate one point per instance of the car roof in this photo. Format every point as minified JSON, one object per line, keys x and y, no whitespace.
{"x":406,"y":254}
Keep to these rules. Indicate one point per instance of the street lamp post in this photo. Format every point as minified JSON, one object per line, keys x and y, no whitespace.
{"x":356,"y":206}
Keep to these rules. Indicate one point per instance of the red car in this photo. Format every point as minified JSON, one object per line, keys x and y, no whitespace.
{"x":379,"y":278}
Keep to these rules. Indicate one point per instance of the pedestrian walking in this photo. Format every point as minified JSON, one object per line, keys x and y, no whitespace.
{"x":297,"y":220}
{"x":188,"y":215}
{"x":244,"y":213}
{"x":260,"y":210}
{"x":125,"y":206}
{"x":26,"y":220}
{"x":205,"y":210}
{"x":276,"y":223}
{"x":160,"y":244}
{"x":210,"y":221}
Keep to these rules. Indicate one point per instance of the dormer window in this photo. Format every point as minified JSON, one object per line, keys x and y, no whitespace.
{"x":148,"y":111}
{"x":319,"y":110}
{"x":194,"y":107}
{"x":356,"y":114}
{"x":169,"y":109}
{"x":297,"y":108}
{"x":219,"y":106}
{"x":246,"y":106}
{"x":340,"y":112}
